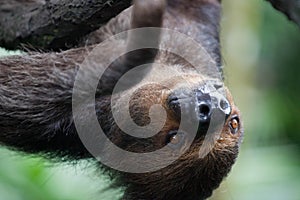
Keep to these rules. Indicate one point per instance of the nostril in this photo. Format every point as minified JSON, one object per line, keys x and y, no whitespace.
{"x":225,"y":107}
{"x":204,"y":111}
{"x":223,"y":104}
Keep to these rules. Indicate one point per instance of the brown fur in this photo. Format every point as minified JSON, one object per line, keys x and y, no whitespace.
{"x":36,"y":101}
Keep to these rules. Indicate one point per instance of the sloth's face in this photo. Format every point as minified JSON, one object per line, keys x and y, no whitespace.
{"x":204,"y":107}
{"x":198,"y":110}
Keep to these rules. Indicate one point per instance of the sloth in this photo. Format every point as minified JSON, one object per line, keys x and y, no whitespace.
{"x":38,"y":114}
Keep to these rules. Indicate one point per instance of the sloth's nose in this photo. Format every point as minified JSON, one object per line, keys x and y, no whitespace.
{"x":205,"y":108}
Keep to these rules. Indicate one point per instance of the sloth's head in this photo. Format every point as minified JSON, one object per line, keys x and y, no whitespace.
{"x":200,"y":132}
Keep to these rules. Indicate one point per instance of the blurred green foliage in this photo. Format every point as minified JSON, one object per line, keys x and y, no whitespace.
{"x":279,"y":76}
{"x":261,"y":50}
{"x":26,"y":178}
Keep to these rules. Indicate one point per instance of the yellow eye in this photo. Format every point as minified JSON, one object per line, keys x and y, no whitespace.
{"x":175,"y":139}
{"x":234,"y":124}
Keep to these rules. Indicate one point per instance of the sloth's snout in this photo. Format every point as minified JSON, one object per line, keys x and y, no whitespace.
{"x":206,"y":106}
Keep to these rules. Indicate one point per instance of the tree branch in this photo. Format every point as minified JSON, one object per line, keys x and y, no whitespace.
{"x":53,"y":24}
{"x":291,"y":8}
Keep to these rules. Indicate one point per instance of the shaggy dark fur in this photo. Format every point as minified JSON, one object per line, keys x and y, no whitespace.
{"x":36,"y":101}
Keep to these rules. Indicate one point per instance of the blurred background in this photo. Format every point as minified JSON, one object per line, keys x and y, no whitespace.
{"x":261,"y":52}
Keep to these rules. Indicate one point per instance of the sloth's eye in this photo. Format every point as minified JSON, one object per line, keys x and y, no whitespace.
{"x":174,"y":104}
{"x":234,"y":125}
{"x":174,"y":138}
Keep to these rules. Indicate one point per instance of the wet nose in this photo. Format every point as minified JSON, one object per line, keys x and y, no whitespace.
{"x":199,"y":107}
{"x":206,"y":106}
